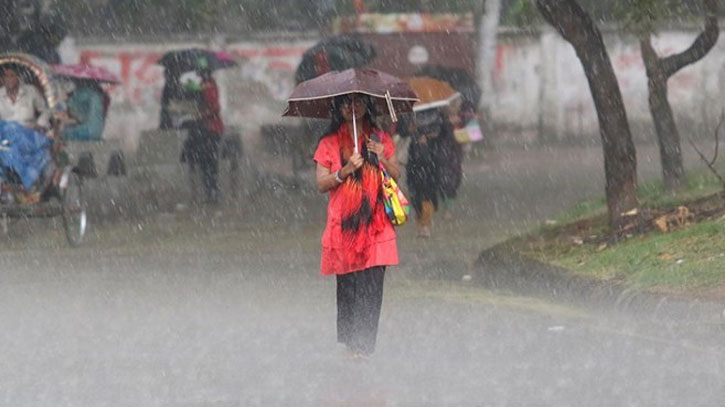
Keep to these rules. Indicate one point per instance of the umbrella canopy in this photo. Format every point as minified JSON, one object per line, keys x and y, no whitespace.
{"x":458,"y":78}
{"x":193,"y":59}
{"x":334,"y":54}
{"x":86,"y":72}
{"x":313,"y":98}
{"x":432,"y":93}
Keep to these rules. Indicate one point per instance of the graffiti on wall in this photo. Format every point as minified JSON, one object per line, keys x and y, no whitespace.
{"x":272,"y":65}
{"x":142,"y":79}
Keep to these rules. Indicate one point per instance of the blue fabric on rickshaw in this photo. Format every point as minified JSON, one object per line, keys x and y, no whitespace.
{"x":24,"y":151}
{"x":86,"y":105}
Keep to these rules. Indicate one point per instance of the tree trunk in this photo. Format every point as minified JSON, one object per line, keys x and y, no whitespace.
{"x":620,"y":159}
{"x":488,"y":19}
{"x":668,"y":137}
{"x":659,"y":71}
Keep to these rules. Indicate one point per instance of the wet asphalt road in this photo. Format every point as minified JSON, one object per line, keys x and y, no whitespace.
{"x":225,"y":308}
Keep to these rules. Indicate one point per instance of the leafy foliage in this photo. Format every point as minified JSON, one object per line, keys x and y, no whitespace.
{"x":178,"y":16}
{"x":645,"y":16}
{"x":521,"y":13}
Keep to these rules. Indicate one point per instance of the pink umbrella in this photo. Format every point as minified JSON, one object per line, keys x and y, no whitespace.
{"x":87,"y":72}
{"x":225,"y":56}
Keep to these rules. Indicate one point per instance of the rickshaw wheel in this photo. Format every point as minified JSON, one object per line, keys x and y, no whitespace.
{"x":73,"y":210}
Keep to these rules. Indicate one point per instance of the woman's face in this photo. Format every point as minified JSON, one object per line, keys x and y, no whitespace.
{"x":346,"y":108}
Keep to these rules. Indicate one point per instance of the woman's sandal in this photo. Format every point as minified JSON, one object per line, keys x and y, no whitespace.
{"x":356,"y":355}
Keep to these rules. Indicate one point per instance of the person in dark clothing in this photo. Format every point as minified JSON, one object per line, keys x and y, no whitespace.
{"x":172,"y":90}
{"x":178,"y":102}
{"x":201,"y":149}
{"x":448,"y":158}
{"x":421,"y":175}
{"x":213,"y":129}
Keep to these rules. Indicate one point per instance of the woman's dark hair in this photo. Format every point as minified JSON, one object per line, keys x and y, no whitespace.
{"x":336,"y":114}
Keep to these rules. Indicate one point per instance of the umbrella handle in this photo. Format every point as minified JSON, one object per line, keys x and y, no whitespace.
{"x":391,"y":108}
{"x":354,"y":124}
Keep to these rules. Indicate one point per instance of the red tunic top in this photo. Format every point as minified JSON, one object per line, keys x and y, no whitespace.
{"x":383,"y":252}
{"x":212,"y":113}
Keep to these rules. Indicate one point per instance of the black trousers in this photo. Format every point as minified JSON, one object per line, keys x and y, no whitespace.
{"x":359,"y":299}
{"x":201,"y":150}
{"x":209,"y":163}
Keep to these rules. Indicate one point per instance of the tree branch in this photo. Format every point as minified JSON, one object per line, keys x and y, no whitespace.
{"x":702,"y":44}
{"x":711,"y":163}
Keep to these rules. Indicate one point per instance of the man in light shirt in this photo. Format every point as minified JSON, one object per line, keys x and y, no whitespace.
{"x":25,"y":155}
{"x":22,"y":103}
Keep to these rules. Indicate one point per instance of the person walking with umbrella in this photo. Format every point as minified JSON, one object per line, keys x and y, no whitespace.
{"x":206,"y":129}
{"x":212,"y":130}
{"x":178,"y":62}
{"x":431,"y":160}
{"x":359,"y":241}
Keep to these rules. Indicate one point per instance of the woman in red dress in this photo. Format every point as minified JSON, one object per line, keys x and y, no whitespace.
{"x":359,"y":240}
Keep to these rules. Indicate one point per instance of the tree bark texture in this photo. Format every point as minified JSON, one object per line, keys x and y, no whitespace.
{"x":620,"y":159}
{"x":668,"y":138}
{"x":659,"y":70}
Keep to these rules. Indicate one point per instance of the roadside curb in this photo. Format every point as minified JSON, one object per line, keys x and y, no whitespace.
{"x":502,"y":267}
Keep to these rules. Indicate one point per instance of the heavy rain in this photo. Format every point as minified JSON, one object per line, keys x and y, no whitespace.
{"x":362,"y":203}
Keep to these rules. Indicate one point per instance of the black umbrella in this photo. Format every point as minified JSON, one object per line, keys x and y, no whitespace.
{"x":195,"y":59}
{"x":458,"y":78}
{"x":334,"y":54}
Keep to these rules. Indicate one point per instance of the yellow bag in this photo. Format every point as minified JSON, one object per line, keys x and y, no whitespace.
{"x":397,"y":206}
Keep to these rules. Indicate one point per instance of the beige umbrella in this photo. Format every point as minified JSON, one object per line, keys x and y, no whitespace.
{"x":433,"y":93}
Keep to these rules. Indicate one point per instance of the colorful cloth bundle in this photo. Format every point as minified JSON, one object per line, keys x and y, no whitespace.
{"x":23,"y":151}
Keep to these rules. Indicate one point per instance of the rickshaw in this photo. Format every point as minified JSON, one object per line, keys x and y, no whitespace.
{"x":64,"y":197}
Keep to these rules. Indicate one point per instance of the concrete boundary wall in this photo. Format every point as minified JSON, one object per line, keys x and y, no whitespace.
{"x":252,"y":94}
{"x":541,"y":91}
